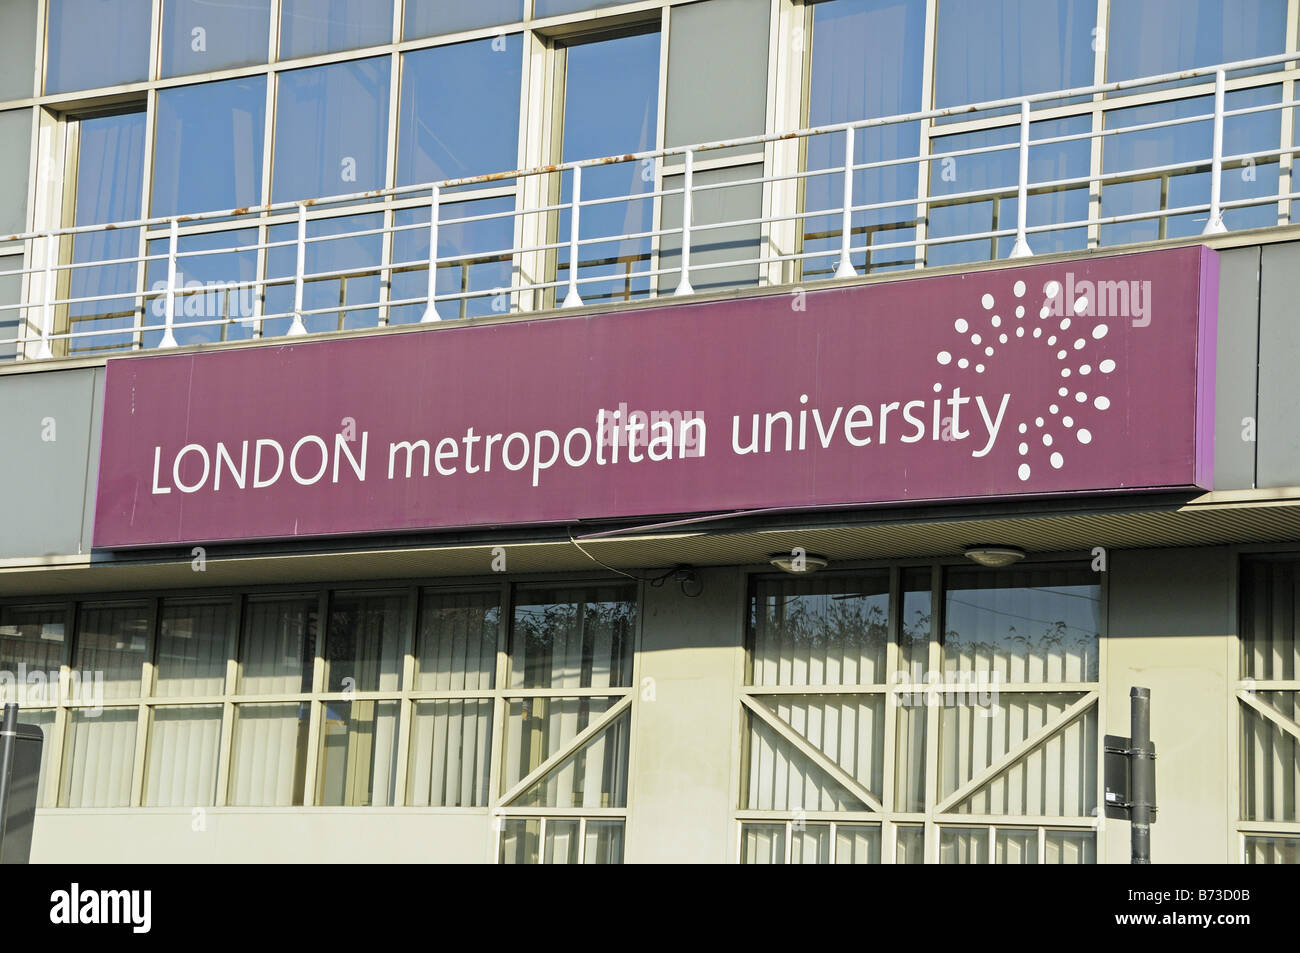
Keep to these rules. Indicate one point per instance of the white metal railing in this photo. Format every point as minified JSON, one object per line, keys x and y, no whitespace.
{"x":58,"y":315}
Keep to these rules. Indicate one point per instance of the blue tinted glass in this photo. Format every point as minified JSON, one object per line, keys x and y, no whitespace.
{"x":994,"y":49}
{"x":331,"y":130}
{"x":483,"y":267}
{"x":93,"y":43}
{"x":1048,"y":204}
{"x":347,"y":301}
{"x":866,"y":62}
{"x":110,"y":168}
{"x":308,"y":27}
{"x":611,"y":107}
{"x":552,"y":8}
{"x":214,"y":300}
{"x":1188,"y":143}
{"x":1150,"y":37}
{"x":432,"y":17}
{"x":202,"y":35}
{"x":208,"y":153}
{"x":460,"y":110}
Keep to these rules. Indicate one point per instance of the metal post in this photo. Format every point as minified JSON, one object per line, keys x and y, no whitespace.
{"x":8,"y":740}
{"x":1143,"y":773}
{"x":573,"y":299}
{"x":298,"y":327}
{"x":431,"y":311}
{"x":169,"y":313}
{"x":846,"y":269}
{"x":47,"y":321}
{"x":1215,"y":226}
{"x":1021,"y":248}
{"x":684,"y":285}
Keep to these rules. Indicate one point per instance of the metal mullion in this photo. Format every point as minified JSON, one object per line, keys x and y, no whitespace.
{"x":225,"y":751}
{"x":268,"y":152}
{"x":1286,"y":132}
{"x":144,"y":713}
{"x":582,"y":840}
{"x":390,"y":171}
{"x":499,"y":713}
{"x":316,"y":712}
{"x":891,"y":668}
{"x":405,"y":705}
{"x":661,"y":121}
{"x":925,"y":135}
{"x":789,"y":841}
{"x":62,"y":713}
{"x":1042,"y":840}
{"x":993,"y":843}
{"x":1098,"y":124}
{"x":932,"y":714}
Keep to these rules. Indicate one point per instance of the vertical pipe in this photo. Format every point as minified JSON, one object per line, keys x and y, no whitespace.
{"x":47,"y":321}
{"x":1021,"y":248}
{"x":1214,"y":225}
{"x":1142,"y":772}
{"x":846,"y":269}
{"x":573,"y":299}
{"x":298,"y":327}
{"x":169,"y":312}
{"x":8,"y":739}
{"x":431,"y":310}
{"x":688,"y":178}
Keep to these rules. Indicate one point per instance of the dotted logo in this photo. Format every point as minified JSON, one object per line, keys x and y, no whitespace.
{"x":1068,"y":343}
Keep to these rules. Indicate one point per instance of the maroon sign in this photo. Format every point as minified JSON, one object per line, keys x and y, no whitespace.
{"x":1062,"y":378}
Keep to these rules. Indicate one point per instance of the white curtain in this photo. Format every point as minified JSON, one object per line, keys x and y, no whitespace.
{"x":182,"y":761}
{"x":98,"y":757}
{"x":269,"y":755}
{"x":449,"y":752}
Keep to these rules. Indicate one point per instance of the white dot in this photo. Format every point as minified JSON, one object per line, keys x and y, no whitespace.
{"x":1102,"y":403}
{"x":1019,"y":289}
{"x":1065,"y":323}
{"x":988,"y":352}
{"x":1099,"y":331}
{"x":1052,"y":289}
{"x":1020,"y":311}
{"x":1085,"y":370}
{"x":1065,"y":372}
{"x":1085,"y":436}
{"x":1081,"y":397}
{"x":1057,"y":461}
{"x":1023,"y":471}
{"x":1038,"y":421}
{"x":1023,"y":428}
{"x":961,"y":325}
{"x":1081,"y":306}
{"x":937,"y":386}
{"x":1044,"y":311}
{"x":1068,"y":421}
{"x":1052,"y":339}
{"x":1063,"y":392}
{"x":1078,"y":345}
{"x":979,"y":368}
{"x":1047,"y":440}
{"x":1002,"y":339}
{"x":1106,"y":366}
{"x":1020,"y":332}
{"x":1024,"y":449}
{"x":1060,"y":355}
{"x":1038,"y":332}
{"x":963,"y":363}
{"x":1054,"y":409}
{"x":987,"y":301}
{"x":975,"y":339}
{"x":995,"y":321}
{"x":944,"y":358}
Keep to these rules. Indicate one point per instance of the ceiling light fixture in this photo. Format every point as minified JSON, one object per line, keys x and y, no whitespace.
{"x":798,"y":562}
{"x":994,"y":557}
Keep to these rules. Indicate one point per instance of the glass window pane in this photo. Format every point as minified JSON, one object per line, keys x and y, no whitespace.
{"x":553,"y":8}
{"x":1036,"y":625}
{"x":593,"y":776}
{"x":1151,"y":37}
{"x":909,"y":844}
{"x":181,"y":769}
{"x":192,"y":640}
{"x":1270,"y":761}
{"x":110,"y":170}
{"x":363,"y":643}
{"x":277,"y":646}
{"x":1017,"y":846}
{"x":31,"y":651}
{"x":331,"y":130}
{"x":18,"y":48}
{"x":857,"y":844}
{"x":199,"y":36}
{"x":604,"y":842}
{"x":810,"y":843}
{"x":98,"y":755}
{"x":1269,"y":648}
{"x":457,"y":648}
{"x":780,"y":777}
{"x":43,"y":719}
{"x":611,"y":107}
{"x":344,"y":302}
{"x":358,"y":755}
{"x":909,"y":754}
{"x":112,"y":644}
{"x":573,"y":638}
{"x":308,"y":27}
{"x":829,"y":630}
{"x":208,"y":146}
{"x":997,"y":49}
{"x":433,"y":17}
{"x":215,"y":297}
{"x":1071,"y":847}
{"x":1273,"y":850}
{"x":450,"y":743}
{"x":459,"y":112}
{"x":561,"y":843}
{"x":93,"y":43}
{"x":519,"y":840}
{"x":762,"y":844}
{"x":268,"y":764}
{"x":963,"y":845}
{"x":15,"y":153}
{"x":914,"y":628}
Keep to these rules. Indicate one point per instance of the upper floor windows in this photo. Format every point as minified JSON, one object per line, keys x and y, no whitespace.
{"x":93,"y":43}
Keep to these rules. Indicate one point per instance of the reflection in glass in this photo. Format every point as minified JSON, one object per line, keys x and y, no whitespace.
{"x":199,"y":36}
{"x":278,"y":645}
{"x":561,"y":843}
{"x":215,"y":297}
{"x":31,"y":637}
{"x":102,"y":43}
{"x":1269,"y":647}
{"x":1071,"y":847}
{"x":593,"y":776}
{"x":358,"y":755}
{"x":457,"y":647}
{"x":331,"y":130}
{"x":963,"y":845}
{"x":573,"y":638}
{"x":1270,"y":761}
{"x":857,"y":844}
{"x":1151,"y":37}
{"x":866,"y":62}
{"x":110,"y":169}
{"x":810,"y":843}
{"x":191,"y":657}
{"x":762,"y":844}
{"x":909,"y":844}
{"x":363,"y":642}
{"x":604,"y":842}
{"x":112,"y":641}
{"x":433,"y":17}
{"x":450,"y":740}
{"x":1016,"y":846}
{"x":349,"y":300}
{"x":308,"y":27}
{"x":268,"y":763}
{"x":519,"y":840}
{"x":1272,"y":850}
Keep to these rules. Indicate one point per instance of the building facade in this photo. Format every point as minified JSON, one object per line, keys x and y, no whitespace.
{"x":553,"y":431}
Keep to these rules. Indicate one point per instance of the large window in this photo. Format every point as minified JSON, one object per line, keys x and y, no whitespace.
{"x":872,"y":735}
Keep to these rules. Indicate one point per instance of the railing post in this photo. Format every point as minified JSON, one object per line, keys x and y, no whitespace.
{"x":846,"y":269}
{"x":431,"y":309}
{"x":684,"y":284}
{"x":1214,"y":225}
{"x":298,"y":327}
{"x":1021,"y":248}
{"x":169,"y":312}
{"x":572,"y":299}
{"x":47,"y":309}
